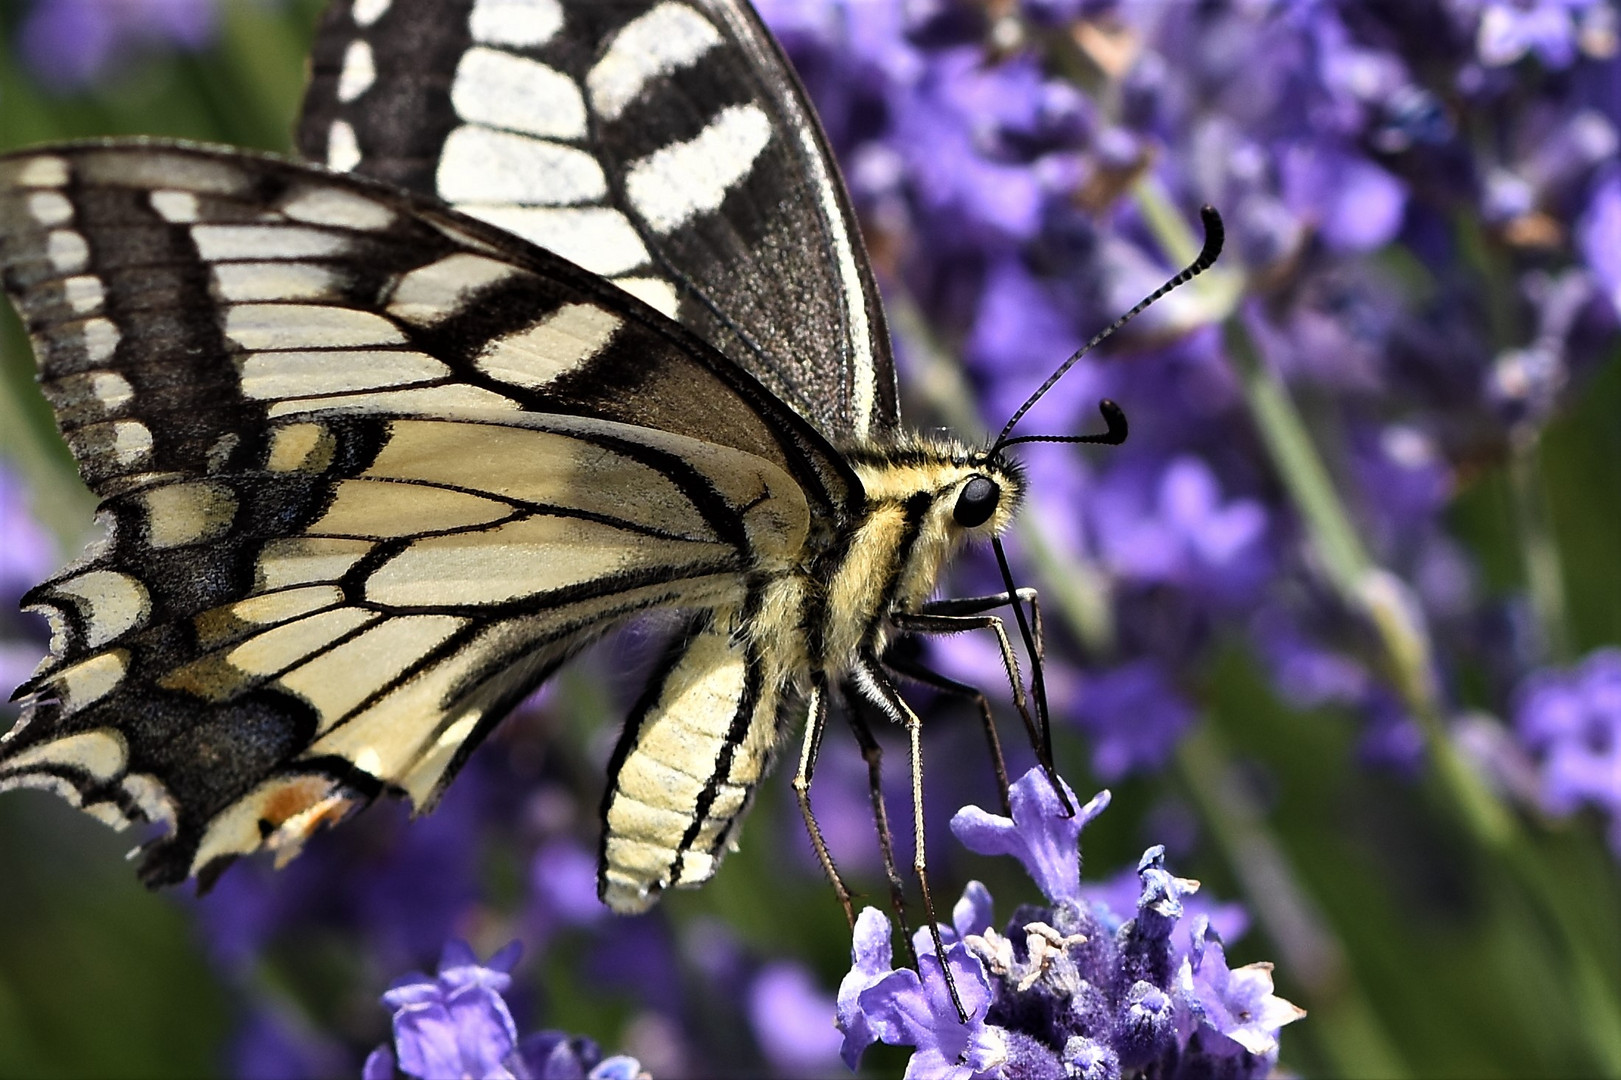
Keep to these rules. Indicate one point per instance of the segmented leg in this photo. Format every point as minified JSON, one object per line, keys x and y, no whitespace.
{"x":869,"y":679}
{"x":815,"y":722}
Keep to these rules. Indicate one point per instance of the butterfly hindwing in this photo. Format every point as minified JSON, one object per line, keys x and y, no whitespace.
{"x":665,"y":145}
{"x":370,"y":470}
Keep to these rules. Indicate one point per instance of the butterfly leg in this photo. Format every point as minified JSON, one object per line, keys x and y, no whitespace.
{"x":872,"y":752}
{"x":968,"y":613}
{"x":956,"y":616}
{"x":874,"y":686}
{"x":959,"y":616}
{"x":815,"y":723}
{"x":912,"y":668}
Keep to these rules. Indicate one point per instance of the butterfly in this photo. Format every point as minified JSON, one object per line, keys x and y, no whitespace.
{"x":565,"y":319}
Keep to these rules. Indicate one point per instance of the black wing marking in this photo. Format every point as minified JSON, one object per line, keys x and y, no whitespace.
{"x":371,"y":471}
{"x":665,"y":145}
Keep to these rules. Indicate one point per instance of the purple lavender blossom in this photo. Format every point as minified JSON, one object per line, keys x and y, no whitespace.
{"x":1038,"y":834}
{"x":790,"y":1016}
{"x":1546,"y":29}
{"x":1067,"y":990}
{"x":906,"y":1008}
{"x":1134,"y":715}
{"x":1171,"y":525}
{"x":457,"y":1023}
{"x":73,"y":44}
{"x":1596,"y":237}
{"x":1229,"y":1006}
{"x":27,"y":555}
{"x":1571,"y":721}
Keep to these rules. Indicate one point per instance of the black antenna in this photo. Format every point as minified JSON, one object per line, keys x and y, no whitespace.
{"x":1214,"y":233}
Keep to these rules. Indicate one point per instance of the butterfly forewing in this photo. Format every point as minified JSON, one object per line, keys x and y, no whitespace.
{"x":371,"y":471}
{"x":664,"y":145}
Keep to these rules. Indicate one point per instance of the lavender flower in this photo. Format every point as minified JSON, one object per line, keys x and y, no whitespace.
{"x":1066,"y":990}
{"x":1134,"y":715}
{"x":456,"y":1023}
{"x":27,"y":555}
{"x":73,"y":44}
{"x":1571,"y":722}
{"x":915,"y":1008}
{"x":790,"y":1015}
{"x":1546,"y":29}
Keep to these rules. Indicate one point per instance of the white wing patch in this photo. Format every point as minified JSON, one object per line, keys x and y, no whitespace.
{"x":421,"y":399}
{"x":431,"y":294}
{"x":359,"y":71}
{"x":175,"y":207}
{"x":665,"y":39}
{"x":342,"y":147}
{"x":294,"y":374}
{"x":108,"y":602}
{"x":267,"y":327}
{"x":498,"y":89}
{"x":248,"y":281}
{"x":519,"y":24}
{"x":49,"y":208}
{"x":483,"y":165}
{"x":673,"y":185}
{"x":384,"y":651}
{"x":176,"y":515}
{"x":596,"y":238}
{"x":564,"y":341}
{"x":67,"y":251}
{"x":366,"y":12}
{"x":335,"y":209}
{"x":127,"y":443}
{"x":219,"y":243}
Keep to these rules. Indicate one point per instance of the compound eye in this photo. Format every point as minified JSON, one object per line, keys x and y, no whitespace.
{"x":976,"y":502}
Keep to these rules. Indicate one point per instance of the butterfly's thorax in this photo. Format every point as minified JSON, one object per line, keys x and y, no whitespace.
{"x":905,"y":534}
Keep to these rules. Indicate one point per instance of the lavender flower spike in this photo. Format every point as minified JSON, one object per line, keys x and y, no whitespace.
{"x":1067,"y":991}
{"x":1038,"y":834}
{"x":1237,"y":1004}
{"x":906,"y":1008}
{"x":456,"y":1024}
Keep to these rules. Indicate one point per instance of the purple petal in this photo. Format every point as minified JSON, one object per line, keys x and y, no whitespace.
{"x":871,"y":954}
{"x":792,"y":1019}
{"x":379,"y":1065}
{"x":1598,"y":237}
{"x":973,"y":912}
{"x":1356,"y":205}
{"x":427,"y":1043}
{"x":1038,"y":834}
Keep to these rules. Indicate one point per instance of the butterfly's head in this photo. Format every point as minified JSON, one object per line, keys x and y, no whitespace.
{"x":958,"y":493}
{"x":985,"y":494}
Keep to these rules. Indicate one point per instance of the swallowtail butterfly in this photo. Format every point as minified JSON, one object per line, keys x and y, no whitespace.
{"x":568,"y":320}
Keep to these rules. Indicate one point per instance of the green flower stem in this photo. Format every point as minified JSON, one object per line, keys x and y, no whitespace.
{"x":1349,"y":1029}
{"x":1544,"y":569}
{"x":1544,"y":573}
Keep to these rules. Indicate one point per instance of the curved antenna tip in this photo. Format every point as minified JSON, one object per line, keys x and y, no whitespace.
{"x":1115,"y":417}
{"x":1215,"y":234}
